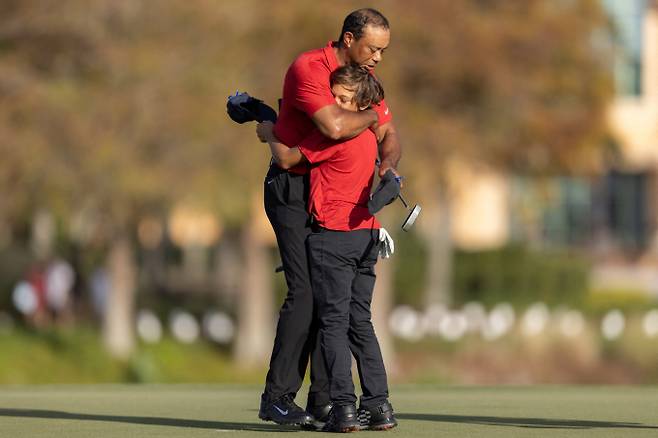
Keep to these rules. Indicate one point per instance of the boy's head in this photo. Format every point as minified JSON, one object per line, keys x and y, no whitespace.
{"x":354,"y":88}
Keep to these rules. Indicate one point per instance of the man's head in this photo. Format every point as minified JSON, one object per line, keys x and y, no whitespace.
{"x":365,"y":37}
{"x":354,"y":88}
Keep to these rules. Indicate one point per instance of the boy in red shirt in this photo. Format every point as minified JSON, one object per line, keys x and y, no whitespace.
{"x":343,"y":249}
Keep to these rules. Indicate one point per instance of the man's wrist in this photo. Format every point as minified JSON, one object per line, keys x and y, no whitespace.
{"x":374,"y":115}
{"x":388,"y":164}
{"x":374,"y":118}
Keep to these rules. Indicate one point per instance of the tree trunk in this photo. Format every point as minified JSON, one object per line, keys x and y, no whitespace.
{"x":440,"y":252}
{"x":255,"y":308}
{"x":43,"y":234}
{"x":381,"y":309}
{"x":227,"y":269}
{"x":118,"y":333}
{"x":195,"y":261}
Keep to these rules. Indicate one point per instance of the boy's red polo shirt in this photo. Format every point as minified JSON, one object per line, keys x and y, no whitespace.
{"x":341,"y":181}
{"x":306,"y":89}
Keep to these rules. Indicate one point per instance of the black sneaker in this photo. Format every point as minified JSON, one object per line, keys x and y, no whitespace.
{"x":283,"y":410}
{"x":321,"y":415}
{"x":342,"y":419}
{"x":379,"y":417}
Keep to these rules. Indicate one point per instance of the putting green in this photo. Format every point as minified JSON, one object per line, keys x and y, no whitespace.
{"x":423,"y":411}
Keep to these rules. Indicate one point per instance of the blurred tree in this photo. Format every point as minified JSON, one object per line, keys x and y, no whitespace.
{"x":111,"y":110}
{"x":518,"y":86}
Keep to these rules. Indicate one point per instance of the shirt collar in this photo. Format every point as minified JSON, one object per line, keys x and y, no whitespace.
{"x":330,"y":55}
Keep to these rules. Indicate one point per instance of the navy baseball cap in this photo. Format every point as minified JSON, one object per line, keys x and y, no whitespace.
{"x":385,"y":193}
{"x":242,"y":108}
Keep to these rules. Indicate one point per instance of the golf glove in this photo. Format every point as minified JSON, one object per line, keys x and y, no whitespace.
{"x":387,"y":247}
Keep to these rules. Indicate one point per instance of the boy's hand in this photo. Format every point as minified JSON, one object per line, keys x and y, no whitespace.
{"x":265,"y":131}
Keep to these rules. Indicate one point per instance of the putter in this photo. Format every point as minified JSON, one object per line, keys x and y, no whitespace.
{"x":411,"y":217}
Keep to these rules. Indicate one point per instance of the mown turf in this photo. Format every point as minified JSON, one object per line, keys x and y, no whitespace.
{"x":428,"y":411}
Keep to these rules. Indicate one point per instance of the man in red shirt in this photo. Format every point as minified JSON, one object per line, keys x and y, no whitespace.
{"x":308,"y":105}
{"x":343,"y":249}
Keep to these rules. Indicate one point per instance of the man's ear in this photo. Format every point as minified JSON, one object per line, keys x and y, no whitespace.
{"x":348,"y":39}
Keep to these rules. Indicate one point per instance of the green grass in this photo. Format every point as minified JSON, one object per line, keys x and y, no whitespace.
{"x":77,"y":356}
{"x":230,"y":410}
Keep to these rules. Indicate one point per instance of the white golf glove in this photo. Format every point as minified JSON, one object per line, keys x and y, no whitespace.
{"x":387,"y":247}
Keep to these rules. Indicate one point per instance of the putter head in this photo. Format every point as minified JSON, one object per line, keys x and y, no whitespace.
{"x":411,"y":218}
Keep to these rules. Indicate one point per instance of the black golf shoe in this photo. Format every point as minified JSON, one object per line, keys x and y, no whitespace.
{"x":377,"y":418}
{"x":283,"y":410}
{"x":321,"y":415}
{"x":342,"y":419}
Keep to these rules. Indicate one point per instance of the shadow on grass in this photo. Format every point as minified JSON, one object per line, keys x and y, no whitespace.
{"x":156,"y":421}
{"x":224,"y":425}
{"x":524,"y":422}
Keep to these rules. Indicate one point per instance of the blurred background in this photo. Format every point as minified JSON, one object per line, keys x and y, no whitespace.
{"x":133,"y":242}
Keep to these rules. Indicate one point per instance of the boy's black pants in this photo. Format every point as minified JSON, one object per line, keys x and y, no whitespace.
{"x":343,"y":279}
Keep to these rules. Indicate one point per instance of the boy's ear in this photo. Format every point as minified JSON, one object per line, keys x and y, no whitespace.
{"x":365,"y":106}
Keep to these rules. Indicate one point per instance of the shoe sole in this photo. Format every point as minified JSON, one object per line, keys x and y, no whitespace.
{"x":383,"y":427}
{"x":313,"y":426}
{"x":344,"y":429}
{"x":286,"y":423}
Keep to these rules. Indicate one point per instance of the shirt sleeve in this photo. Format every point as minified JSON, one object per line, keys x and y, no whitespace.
{"x":317,"y":148}
{"x":384,"y":115}
{"x":312,"y":90}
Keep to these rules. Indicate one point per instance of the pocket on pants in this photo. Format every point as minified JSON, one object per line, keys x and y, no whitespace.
{"x":370,"y":257}
{"x":276,"y":188}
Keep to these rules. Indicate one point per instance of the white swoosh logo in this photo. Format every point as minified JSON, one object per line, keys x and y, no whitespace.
{"x":386,"y":112}
{"x":282,"y":412}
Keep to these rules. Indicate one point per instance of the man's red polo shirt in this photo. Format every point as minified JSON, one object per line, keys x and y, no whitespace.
{"x":341,"y":181}
{"x":306,"y":89}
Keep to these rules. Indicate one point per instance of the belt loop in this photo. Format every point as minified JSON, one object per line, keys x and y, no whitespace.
{"x":315,"y":227}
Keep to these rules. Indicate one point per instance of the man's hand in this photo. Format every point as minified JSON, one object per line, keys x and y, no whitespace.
{"x":375,"y":128}
{"x":265,"y":132}
{"x":385,"y":167}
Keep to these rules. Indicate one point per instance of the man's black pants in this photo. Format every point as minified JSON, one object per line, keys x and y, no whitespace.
{"x":343,"y":279}
{"x":285,"y":198}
